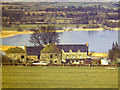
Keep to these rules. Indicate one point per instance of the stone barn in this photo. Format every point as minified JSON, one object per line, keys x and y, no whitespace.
{"x":16,"y":54}
{"x":51,"y":54}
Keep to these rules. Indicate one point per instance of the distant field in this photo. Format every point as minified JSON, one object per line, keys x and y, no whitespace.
{"x":24,"y":27}
{"x":32,"y":26}
{"x":56,"y":4}
{"x":10,"y":5}
{"x":59,"y":77}
{"x":84,"y":4}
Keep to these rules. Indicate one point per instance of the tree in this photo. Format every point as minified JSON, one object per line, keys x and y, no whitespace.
{"x":18,"y":27}
{"x":6,"y":60}
{"x":15,"y":50}
{"x":114,"y":53}
{"x":14,"y":16}
{"x":44,"y":36}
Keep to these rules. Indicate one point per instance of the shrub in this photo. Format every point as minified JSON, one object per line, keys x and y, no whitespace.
{"x":6,"y":60}
{"x":15,"y":50}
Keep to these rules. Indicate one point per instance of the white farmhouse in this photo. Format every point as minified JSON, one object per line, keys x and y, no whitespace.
{"x":104,"y":61}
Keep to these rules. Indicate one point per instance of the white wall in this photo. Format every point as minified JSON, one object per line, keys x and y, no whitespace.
{"x":104,"y":62}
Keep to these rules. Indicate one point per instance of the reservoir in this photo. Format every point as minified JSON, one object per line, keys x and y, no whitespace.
{"x":99,"y":41}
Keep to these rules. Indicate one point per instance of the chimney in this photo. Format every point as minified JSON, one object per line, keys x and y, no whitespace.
{"x":55,"y":43}
{"x":87,"y":44}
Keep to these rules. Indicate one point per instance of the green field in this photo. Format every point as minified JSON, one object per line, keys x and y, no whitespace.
{"x":59,"y":77}
{"x":33,"y":26}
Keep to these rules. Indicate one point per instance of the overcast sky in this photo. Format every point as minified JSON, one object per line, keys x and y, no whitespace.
{"x":60,"y":0}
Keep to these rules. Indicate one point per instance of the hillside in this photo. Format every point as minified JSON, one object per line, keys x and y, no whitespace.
{"x":65,"y":3}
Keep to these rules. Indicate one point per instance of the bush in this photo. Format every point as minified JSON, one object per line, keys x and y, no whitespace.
{"x":6,"y":60}
{"x":6,"y":25}
{"x":15,"y":50}
{"x":92,"y":26}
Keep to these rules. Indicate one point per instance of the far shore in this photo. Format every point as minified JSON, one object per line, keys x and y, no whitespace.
{"x":5,"y":34}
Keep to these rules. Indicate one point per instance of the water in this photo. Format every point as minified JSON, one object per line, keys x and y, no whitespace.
{"x":99,"y":41}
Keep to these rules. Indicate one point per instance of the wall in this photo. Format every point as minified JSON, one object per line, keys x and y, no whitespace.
{"x":74,"y":55}
{"x":32,"y":57}
{"x":54,"y":57}
{"x":16,"y":56}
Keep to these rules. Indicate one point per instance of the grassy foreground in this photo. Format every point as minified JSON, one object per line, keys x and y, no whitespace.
{"x":62,"y":77}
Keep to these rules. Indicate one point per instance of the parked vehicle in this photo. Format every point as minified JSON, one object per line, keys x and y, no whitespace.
{"x":40,"y":63}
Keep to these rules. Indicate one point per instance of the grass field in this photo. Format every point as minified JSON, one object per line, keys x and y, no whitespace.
{"x":62,"y":77}
{"x":33,"y":26}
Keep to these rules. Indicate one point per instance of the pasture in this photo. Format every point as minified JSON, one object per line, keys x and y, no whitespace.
{"x":59,"y":77}
{"x":33,"y":26}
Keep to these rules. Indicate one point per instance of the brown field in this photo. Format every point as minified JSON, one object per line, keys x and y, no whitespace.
{"x":5,"y":47}
{"x":98,"y":54}
{"x":10,"y":5}
{"x":5,"y":34}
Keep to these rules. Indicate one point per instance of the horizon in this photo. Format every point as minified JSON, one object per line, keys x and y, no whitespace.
{"x":59,"y":1}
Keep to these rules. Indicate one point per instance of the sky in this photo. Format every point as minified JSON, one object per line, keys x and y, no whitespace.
{"x":60,"y":0}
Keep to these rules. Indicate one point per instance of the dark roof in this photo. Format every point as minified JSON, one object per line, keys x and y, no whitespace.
{"x":32,"y":50}
{"x":51,"y":48}
{"x":74,"y":47}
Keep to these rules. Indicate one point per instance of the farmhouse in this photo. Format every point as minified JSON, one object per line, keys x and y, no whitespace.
{"x":55,"y":54}
{"x":51,"y":53}
{"x":16,"y":54}
{"x":74,"y":54}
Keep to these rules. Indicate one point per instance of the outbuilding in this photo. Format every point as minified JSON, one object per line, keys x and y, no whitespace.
{"x":104,"y":61}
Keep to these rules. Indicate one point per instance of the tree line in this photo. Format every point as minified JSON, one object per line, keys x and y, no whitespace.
{"x":94,"y":8}
{"x":114,"y":53}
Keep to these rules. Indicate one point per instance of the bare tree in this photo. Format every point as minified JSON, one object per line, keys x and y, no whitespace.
{"x":44,"y":35}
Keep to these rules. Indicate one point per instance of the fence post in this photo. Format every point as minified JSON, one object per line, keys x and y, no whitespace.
{"x":63,"y":65}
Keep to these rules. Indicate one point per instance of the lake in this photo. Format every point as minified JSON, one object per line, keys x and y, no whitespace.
{"x":99,"y":41}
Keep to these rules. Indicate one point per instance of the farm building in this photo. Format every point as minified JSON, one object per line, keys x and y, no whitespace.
{"x":104,"y":61}
{"x":74,"y":54}
{"x":56,"y":54}
{"x":16,"y":54}
{"x":51,"y":53}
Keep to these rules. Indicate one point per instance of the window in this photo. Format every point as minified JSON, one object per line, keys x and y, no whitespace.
{"x":73,"y":56}
{"x":27,"y":58}
{"x":22,"y":56}
{"x":51,"y":56}
{"x":38,"y":56}
{"x":62,"y":62}
{"x":55,"y":61}
{"x":67,"y":56}
{"x":56,"y":56}
{"x":80,"y":56}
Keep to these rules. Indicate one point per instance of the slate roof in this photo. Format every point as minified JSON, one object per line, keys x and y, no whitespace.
{"x":74,"y":47}
{"x":32,"y":50}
